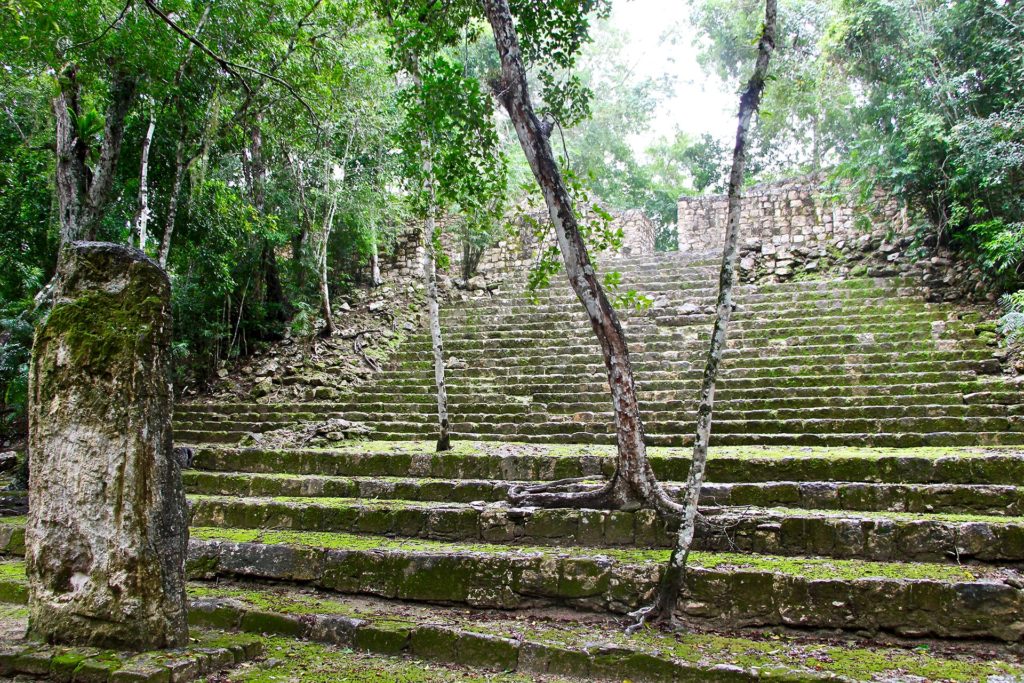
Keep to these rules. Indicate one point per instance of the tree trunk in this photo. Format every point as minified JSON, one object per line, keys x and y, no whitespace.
{"x":444,"y":442}
{"x":375,"y":279}
{"x":71,"y":153}
{"x":305,"y":220}
{"x":180,"y":166}
{"x":255,"y":171}
{"x":674,"y":578}
{"x":141,"y":219}
{"x":325,"y":292}
{"x":633,"y":485}
{"x":325,"y":238}
{"x":122,"y":94}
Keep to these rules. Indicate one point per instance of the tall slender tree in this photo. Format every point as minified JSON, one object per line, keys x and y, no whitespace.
{"x":449,"y":143}
{"x":562,"y":24}
{"x":674,"y":577}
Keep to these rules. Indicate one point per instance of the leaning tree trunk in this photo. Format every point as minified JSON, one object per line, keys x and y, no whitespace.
{"x":633,"y":485}
{"x":140,"y":222}
{"x":674,"y":577}
{"x":444,"y":442}
{"x":330,"y":328}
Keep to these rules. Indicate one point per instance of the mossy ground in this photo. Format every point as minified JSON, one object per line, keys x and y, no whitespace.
{"x":290,"y":660}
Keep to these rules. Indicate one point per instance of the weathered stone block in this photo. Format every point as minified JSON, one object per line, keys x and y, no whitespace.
{"x":107,"y":534}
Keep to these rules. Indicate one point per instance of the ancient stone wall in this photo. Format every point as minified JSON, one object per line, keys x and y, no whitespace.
{"x":513,"y":253}
{"x":784,"y":215}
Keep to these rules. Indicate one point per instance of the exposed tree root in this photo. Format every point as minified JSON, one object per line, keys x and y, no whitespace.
{"x":613,"y":494}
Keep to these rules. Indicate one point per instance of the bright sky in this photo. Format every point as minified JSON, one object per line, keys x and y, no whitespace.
{"x":700,"y":103}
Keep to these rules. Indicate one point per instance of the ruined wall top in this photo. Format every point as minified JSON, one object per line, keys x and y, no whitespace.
{"x":792,"y":212}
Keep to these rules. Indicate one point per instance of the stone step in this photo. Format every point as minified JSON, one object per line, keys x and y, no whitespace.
{"x":536,"y":462}
{"x":733,"y":358}
{"x":825,"y":429}
{"x":574,"y":337}
{"x":406,"y":431}
{"x":498,"y":369}
{"x":542,"y":643}
{"x":673,"y":306}
{"x":742,"y":326}
{"x":666,"y":340}
{"x":290,"y":413}
{"x":901,"y":394}
{"x":458,"y":414}
{"x":545,"y":643}
{"x":910,"y":394}
{"x":526,"y":386}
{"x":560,"y":292}
{"x":971,"y":499}
{"x":917,"y":599}
{"x":880,"y":537}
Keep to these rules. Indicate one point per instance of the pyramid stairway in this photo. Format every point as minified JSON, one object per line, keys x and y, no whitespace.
{"x":863,"y":361}
{"x":862,"y":519}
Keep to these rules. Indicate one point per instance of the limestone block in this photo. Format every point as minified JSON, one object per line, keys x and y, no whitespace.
{"x":107,"y":531}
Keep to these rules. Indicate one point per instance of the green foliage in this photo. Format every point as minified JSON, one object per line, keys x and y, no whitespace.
{"x":1011,"y":323}
{"x":804,"y":121}
{"x":941,"y":124}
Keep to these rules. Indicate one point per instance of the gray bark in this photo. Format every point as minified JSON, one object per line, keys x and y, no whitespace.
{"x":71,"y":153}
{"x":633,"y":484}
{"x":322,"y":248}
{"x":375,"y":279}
{"x":434,"y":309}
{"x":180,"y":166}
{"x":107,"y":529}
{"x":82,"y":194}
{"x":674,"y":578}
{"x":140,"y":222}
{"x":122,"y":95}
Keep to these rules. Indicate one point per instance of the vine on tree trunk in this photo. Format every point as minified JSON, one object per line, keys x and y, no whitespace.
{"x":674,"y":577}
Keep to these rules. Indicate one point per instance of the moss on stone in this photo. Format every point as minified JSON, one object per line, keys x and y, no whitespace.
{"x":809,"y":568}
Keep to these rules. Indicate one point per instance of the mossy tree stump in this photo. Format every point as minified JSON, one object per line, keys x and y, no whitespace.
{"x":107,"y":530}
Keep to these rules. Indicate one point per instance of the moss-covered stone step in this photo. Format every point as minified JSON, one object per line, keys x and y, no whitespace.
{"x":208,"y":653}
{"x":543,"y":643}
{"x":546,"y":643}
{"x":886,"y":537}
{"x":864,"y":323}
{"x":560,"y":293}
{"x":735,"y":358}
{"x":404,"y":431}
{"x":687,"y":340}
{"x":293,"y":624}
{"x":750,"y":300}
{"x":544,"y":462}
{"x":971,"y":499}
{"x":524,"y":385}
{"x":916,"y":599}
{"x":724,"y":426}
{"x":673,"y":310}
{"x":654,"y":371}
{"x":666,"y":422}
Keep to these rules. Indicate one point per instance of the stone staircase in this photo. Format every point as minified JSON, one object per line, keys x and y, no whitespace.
{"x":862,"y":520}
{"x":862,"y":361}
